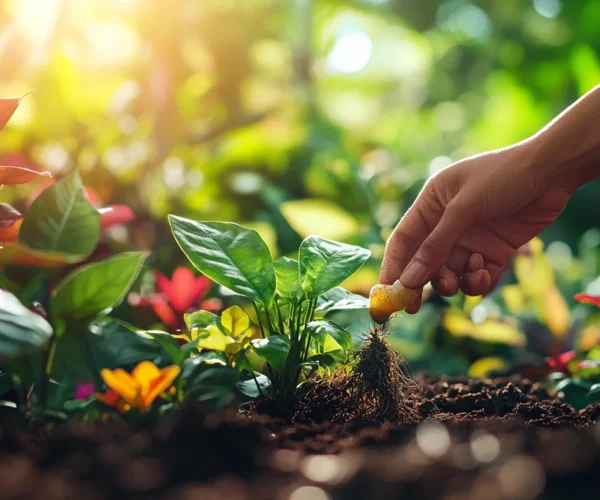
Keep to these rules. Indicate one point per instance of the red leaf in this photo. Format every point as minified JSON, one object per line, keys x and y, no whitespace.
{"x":115,"y":214}
{"x":7,"y":108}
{"x":19,"y":175}
{"x":8,"y":215}
{"x":585,"y":298}
{"x":10,"y":234}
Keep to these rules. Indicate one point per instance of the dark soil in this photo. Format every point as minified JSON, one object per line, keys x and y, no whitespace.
{"x":492,"y":440}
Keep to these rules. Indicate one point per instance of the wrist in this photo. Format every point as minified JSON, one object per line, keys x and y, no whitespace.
{"x":556,"y":164}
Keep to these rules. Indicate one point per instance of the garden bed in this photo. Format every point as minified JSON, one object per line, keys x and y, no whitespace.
{"x":489,"y":439}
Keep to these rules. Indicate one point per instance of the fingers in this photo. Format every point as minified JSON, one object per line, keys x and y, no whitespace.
{"x":433,"y":253}
{"x":416,"y":305}
{"x":445,"y":282}
{"x":408,"y":235}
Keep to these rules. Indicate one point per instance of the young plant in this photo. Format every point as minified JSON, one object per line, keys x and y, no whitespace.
{"x":287,"y":297}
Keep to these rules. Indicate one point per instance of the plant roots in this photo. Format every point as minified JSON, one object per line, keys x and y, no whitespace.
{"x":376,"y":389}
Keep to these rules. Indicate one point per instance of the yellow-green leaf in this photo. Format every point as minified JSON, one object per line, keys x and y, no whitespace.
{"x":235,"y":320}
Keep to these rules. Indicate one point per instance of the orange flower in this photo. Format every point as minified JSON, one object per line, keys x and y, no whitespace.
{"x":140,"y":388}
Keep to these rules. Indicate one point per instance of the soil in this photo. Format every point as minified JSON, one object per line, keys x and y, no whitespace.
{"x":472,"y":439}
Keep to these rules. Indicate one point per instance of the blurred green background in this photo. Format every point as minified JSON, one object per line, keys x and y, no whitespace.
{"x":306,"y":117}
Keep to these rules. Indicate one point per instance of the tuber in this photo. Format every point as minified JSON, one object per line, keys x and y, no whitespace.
{"x":385,"y":300}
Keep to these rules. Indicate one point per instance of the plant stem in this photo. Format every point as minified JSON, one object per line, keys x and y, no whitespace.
{"x":279,"y":317}
{"x":262,"y":331}
{"x":48,"y":362}
{"x":257,"y":385}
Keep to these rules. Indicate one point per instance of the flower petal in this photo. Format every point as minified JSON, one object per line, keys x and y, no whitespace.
{"x":163,"y":284}
{"x":161,"y":384}
{"x":84,"y":391}
{"x":145,"y":372}
{"x":585,"y":298}
{"x":124,"y":384}
{"x":183,"y":287}
{"x":201,"y":288}
{"x":164,"y":311}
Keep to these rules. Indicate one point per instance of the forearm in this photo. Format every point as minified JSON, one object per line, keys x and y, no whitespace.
{"x":568,"y":148}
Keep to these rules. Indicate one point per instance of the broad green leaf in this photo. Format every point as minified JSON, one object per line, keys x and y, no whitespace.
{"x":96,"y":288}
{"x":320,"y":330}
{"x":233,"y":256}
{"x":594,"y":394}
{"x":62,"y":220}
{"x":574,"y":392}
{"x":212,"y":386}
{"x":206,"y":357}
{"x":235,"y":320}
{"x":21,"y":330}
{"x":273,"y":349}
{"x":169,"y":344}
{"x":287,"y":272}
{"x":250,"y":387}
{"x":324,"y":264}
{"x":338,"y":299}
{"x":115,"y":344}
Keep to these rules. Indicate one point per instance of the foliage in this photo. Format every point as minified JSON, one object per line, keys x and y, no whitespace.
{"x":285,"y":296}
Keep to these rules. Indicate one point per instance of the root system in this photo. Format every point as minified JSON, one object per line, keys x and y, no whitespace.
{"x":374,"y":388}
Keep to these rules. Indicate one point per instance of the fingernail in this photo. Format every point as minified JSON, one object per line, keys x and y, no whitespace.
{"x":413,"y":275}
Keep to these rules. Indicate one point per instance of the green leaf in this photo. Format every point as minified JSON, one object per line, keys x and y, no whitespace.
{"x":96,"y":288}
{"x":325,"y":264}
{"x":274,"y":350}
{"x":250,"y":388}
{"x":21,"y":330}
{"x":169,"y":344}
{"x":206,"y":357}
{"x":325,"y":360}
{"x":321,"y":329}
{"x":115,"y":344}
{"x":62,"y":220}
{"x":229,"y":254}
{"x":593,"y":395}
{"x":340,"y":299}
{"x":201,"y":320}
{"x":287,"y":272}
{"x":212,"y":386}
{"x":574,"y":392}
{"x":6,"y":383}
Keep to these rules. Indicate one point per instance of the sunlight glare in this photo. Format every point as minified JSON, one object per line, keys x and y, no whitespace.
{"x":351,"y":52}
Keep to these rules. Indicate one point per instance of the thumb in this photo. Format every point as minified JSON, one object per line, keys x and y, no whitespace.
{"x":433,"y":253}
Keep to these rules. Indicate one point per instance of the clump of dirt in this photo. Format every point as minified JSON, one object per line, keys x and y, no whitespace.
{"x":375,"y":388}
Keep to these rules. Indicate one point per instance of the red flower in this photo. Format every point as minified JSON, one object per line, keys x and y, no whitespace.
{"x":560,"y":363}
{"x":183,"y":293}
{"x":585,"y":298}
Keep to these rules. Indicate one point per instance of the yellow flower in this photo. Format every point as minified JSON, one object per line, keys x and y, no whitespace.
{"x":140,"y":388}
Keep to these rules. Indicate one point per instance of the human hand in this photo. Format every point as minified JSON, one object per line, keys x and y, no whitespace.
{"x":470,"y":219}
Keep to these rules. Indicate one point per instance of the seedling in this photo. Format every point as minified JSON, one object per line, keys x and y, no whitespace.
{"x":287,"y":296}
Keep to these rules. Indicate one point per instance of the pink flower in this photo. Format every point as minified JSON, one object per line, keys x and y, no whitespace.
{"x":84,"y":390}
{"x":183,"y":293}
